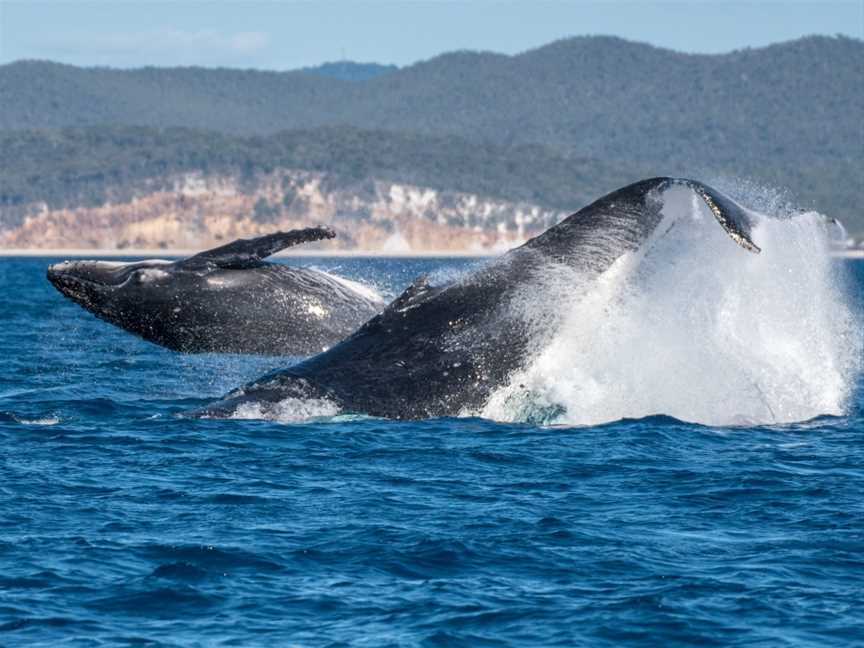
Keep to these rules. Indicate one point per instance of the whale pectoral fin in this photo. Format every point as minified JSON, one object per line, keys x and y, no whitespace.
{"x":731,"y":216}
{"x":244,"y":253}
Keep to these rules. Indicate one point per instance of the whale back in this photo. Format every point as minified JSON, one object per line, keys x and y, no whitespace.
{"x":443,"y":350}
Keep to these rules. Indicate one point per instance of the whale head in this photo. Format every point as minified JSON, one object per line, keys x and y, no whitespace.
{"x":169,"y":303}
{"x":115,"y":291}
{"x":224,"y":299}
{"x":95,"y":284}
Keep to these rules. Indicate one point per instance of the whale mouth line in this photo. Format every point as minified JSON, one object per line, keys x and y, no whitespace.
{"x":67,"y":277}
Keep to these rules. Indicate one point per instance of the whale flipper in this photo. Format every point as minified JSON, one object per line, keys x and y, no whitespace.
{"x":247,"y":253}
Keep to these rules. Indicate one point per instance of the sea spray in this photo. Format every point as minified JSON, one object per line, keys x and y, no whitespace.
{"x":695,"y":327}
{"x":289,"y":410}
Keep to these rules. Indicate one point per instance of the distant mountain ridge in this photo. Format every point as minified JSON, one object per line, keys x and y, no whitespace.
{"x":549,"y":95}
{"x":788,"y":114}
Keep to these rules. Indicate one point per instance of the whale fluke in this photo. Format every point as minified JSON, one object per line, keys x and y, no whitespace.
{"x":731,"y":216}
{"x":247,"y":253}
{"x":624,"y":219}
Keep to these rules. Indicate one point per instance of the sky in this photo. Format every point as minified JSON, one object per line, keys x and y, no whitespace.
{"x":290,"y":34}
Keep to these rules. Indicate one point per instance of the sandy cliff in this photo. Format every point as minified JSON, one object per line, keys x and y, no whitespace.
{"x":192,"y":211}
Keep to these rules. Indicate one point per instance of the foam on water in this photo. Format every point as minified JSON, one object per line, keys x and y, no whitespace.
{"x":695,"y":327}
{"x":289,"y":410}
{"x":44,"y":420}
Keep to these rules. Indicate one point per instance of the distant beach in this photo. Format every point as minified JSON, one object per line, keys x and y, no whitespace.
{"x":155,"y":253}
{"x":159,"y":253}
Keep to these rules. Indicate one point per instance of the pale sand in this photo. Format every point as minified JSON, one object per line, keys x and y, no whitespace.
{"x":160,"y":253}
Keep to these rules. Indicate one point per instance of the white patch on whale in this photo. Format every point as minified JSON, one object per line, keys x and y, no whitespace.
{"x":148,"y":275}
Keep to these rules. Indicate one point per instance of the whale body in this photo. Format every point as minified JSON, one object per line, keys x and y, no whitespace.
{"x":227,"y":299}
{"x":442,"y":350}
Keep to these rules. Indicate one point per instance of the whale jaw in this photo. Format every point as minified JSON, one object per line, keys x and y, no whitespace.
{"x":77,"y":281}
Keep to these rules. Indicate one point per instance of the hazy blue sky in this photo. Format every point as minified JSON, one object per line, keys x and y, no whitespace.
{"x":282,"y":35}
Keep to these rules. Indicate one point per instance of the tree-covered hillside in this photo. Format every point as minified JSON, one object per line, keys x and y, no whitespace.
{"x":592,"y":96}
{"x":789,"y":114}
{"x":86,"y":166}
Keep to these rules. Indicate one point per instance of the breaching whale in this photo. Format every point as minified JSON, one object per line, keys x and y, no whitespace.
{"x":442,"y":350}
{"x":227,"y":299}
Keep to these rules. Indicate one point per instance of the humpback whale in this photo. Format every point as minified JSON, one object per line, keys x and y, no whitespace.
{"x":442,"y":350}
{"x":228,"y":299}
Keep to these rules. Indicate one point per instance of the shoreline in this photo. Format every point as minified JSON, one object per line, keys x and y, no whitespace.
{"x":177,"y":253}
{"x":155,"y":253}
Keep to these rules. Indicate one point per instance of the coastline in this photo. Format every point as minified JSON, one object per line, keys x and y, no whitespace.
{"x":156,"y":253}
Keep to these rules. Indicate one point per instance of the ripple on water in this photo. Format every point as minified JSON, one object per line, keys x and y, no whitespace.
{"x":125,"y":525}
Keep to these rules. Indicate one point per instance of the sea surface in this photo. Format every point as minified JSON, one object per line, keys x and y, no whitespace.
{"x":123,"y":525}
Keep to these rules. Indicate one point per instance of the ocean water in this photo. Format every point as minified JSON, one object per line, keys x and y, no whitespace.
{"x":123,"y":525}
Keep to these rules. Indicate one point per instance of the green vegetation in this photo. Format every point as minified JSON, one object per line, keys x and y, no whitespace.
{"x":553,"y":125}
{"x":87,"y":166}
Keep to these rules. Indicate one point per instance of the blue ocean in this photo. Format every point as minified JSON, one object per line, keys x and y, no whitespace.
{"x":659,"y":514}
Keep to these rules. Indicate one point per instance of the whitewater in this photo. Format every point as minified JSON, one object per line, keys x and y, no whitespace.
{"x":689,"y":325}
{"x":693,"y":327}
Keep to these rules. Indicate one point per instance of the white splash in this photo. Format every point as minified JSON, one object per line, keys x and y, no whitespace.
{"x":45,"y":420}
{"x":702,"y":330}
{"x":289,"y":410}
{"x":366,"y":291}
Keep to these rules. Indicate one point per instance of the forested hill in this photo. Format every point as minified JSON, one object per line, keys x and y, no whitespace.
{"x":595,"y":96}
{"x":84,"y":166}
{"x":115,"y":187}
{"x":788,"y":114}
